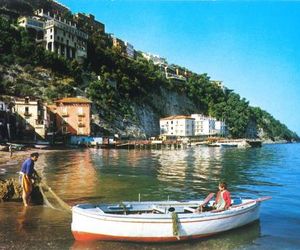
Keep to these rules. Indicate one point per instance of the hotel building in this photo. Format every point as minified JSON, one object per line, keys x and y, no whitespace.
{"x":177,"y":125}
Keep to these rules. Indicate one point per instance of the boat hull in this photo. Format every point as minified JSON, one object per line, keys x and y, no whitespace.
{"x":160,"y":227}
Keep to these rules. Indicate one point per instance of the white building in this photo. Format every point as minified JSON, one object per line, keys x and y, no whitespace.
{"x":65,"y":39}
{"x":156,"y":59}
{"x":204,"y":125}
{"x":129,"y":50}
{"x":31,"y":116}
{"x":220,"y":127}
{"x":58,"y":35}
{"x":193,"y":125}
{"x":178,"y":125}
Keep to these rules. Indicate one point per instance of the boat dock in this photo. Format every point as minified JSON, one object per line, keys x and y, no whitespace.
{"x":178,"y":144}
{"x":145,"y":144}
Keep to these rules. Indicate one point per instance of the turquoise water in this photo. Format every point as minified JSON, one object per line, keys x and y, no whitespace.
{"x":96,"y":175}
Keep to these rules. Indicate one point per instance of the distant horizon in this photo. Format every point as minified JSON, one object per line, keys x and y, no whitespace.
{"x":252,"y":47}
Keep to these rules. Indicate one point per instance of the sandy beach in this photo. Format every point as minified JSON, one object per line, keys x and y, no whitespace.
{"x":19,"y":156}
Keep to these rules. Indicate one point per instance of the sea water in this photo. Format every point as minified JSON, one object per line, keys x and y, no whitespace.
{"x":101,"y":175}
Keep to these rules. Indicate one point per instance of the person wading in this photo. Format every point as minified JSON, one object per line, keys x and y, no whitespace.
{"x":28,"y":174}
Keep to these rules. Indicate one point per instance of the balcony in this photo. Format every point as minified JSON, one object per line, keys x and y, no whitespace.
{"x":81,"y":114}
{"x":65,"y":114}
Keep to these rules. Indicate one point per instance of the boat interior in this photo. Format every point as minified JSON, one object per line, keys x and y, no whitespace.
{"x":154,"y":207}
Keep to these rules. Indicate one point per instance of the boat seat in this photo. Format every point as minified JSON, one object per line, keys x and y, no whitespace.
{"x":159,"y":209}
{"x":190,"y":209}
{"x":120,"y":207}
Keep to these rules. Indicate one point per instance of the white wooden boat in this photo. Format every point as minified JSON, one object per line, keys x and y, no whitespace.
{"x":159,"y":221}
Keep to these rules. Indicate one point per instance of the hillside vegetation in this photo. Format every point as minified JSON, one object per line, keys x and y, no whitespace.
{"x":129,"y":96}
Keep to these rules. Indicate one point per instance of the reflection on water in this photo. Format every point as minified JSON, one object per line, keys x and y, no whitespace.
{"x":100,"y":175}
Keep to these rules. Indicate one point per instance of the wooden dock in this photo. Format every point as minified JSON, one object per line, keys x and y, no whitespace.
{"x":173,"y":144}
{"x":145,"y":144}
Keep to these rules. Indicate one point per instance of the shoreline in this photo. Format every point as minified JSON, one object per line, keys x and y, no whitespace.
{"x":19,"y":156}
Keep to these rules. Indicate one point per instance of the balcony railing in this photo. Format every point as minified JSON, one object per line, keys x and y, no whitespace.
{"x":26,"y":113}
{"x":81,"y":114}
{"x":64,"y":114}
{"x":80,"y":124}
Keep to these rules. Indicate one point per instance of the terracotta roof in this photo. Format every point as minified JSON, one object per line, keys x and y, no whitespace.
{"x":177,"y":117}
{"x":73,"y":100}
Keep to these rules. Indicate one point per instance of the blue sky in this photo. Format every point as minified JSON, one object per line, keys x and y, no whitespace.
{"x":252,"y":46}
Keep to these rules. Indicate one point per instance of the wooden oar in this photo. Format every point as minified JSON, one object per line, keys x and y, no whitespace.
{"x":246,"y":203}
{"x":265,"y":198}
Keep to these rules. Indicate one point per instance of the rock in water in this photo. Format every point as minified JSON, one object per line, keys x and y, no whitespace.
{"x":11,"y":190}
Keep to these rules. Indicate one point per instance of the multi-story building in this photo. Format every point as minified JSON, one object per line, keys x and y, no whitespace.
{"x":129,"y":50}
{"x":34,"y":26}
{"x":119,"y":44}
{"x":124,"y":48}
{"x":83,"y":20}
{"x":156,"y":59}
{"x":193,"y":125}
{"x":221,"y":86}
{"x":177,"y":125}
{"x":172,"y":73}
{"x":72,"y":116}
{"x":57,"y":35}
{"x":65,"y":39}
{"x":220,"y":127}
{"x":204,"y":125}
{"x":31,"y":118}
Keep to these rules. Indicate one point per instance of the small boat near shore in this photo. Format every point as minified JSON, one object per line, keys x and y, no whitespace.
{"x":42,"y":145}
{"x":159,"y":221}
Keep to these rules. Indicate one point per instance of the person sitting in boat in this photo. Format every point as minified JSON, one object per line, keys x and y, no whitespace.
{"x":223,"y":199}
{"x":28,"y":174}
{"x":222,"y":202}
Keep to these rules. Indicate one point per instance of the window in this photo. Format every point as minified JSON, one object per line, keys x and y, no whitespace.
{"x":65,"y":110}
{"x":80,"y":131}
{"x":80,"y":111}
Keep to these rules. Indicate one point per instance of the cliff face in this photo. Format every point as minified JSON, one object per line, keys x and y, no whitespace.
{"x":31,"y":81}
{"x":164,"y":104}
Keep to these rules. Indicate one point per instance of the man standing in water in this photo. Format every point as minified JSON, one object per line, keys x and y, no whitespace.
{"x":27,"y":173}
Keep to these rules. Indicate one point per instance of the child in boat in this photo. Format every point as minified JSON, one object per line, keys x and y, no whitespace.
{"x":222,"y":202}
{"x":223,"y":199}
